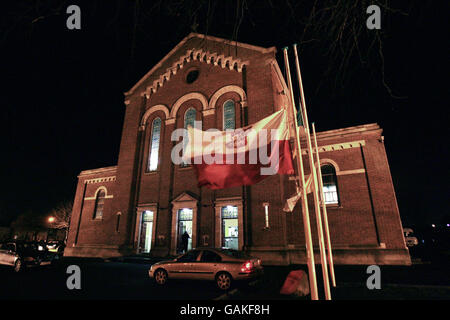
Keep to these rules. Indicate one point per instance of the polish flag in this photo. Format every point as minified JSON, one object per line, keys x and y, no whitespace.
{"x":244,"y":156}
{"x":292,"y":201}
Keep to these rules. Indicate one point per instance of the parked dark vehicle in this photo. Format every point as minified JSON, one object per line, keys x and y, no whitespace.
{"x":20,"y":255}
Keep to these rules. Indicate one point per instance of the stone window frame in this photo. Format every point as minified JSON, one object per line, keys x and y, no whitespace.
{"x":184,"y":165}
{"x":95,"y":215}
{"x":177,"y":205}
{"x":223,"y":202}
{"x":329,"y":162}
{"x":150,"y":145}
{"x":147,"y":138}
{"x":107,"y":196}
{"x":223,"y":114}
{"x":139,"y":210}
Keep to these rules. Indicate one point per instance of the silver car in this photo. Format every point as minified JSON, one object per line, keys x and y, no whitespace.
{"x":221,"y":265}
{"x":9,"y":256}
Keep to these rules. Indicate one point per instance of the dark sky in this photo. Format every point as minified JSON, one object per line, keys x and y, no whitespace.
{"x":62,"y":99}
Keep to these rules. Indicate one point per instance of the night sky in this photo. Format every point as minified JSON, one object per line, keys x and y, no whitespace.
{"x":62,"y":90}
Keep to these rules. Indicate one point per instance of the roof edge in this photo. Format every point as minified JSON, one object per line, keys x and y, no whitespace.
{"x":349,"y":130}
{"x":183,"y":41}
{"x":156,"y":66}
{"x":237,"y":43}
{"x":97,"y":171}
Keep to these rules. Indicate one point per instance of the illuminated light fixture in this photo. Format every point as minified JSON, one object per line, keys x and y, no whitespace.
{"x":266,"y":212}
{"x":433,"y":225}
{"x":51,"y":219}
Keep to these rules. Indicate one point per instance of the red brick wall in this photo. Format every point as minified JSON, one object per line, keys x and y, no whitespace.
{"x":89,"y":230}
{"x":367,"y":214}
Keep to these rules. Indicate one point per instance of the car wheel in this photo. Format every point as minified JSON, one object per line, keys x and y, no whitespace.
{"x":223,"y":281}
{"x":160,"y":276}
{"x":18,"y":266}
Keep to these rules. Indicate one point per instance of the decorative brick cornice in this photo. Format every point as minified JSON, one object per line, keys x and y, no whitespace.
{"x":339,"y":146}
{"x":223,"y":61}
{"x":105,"y":170}
{"x":99,"y":180}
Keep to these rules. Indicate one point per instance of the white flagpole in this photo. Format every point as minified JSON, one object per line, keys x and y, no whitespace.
{"x":324,"y":210}
{"x":323,"y":258}
{"x":305,"y":210}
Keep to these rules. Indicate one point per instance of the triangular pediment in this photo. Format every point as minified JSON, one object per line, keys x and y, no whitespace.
{"x":185,"y":197}
{"x":222,"y":53}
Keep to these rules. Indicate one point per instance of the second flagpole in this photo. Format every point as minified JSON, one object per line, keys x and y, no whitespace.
{"x":305,"y":210}
{"x":323,"y":258}
{"x":324,"y":210}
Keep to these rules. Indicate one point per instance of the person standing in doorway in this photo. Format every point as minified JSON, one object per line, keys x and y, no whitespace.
{"x":184,"y":241}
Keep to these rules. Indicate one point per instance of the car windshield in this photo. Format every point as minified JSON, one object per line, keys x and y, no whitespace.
{"x":235,"y":253}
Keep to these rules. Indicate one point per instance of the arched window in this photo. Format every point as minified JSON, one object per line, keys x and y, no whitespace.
{"x":229,"y":115}
{"x":329,"y":184}
{"x":189,"y":118}
{"x":189,"y":121}
{"x":99,"y":202}
{"x":154,"y":145}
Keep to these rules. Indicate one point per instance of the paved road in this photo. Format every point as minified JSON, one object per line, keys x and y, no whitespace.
{"x":99,"y":280}
{"x":130,"y":281}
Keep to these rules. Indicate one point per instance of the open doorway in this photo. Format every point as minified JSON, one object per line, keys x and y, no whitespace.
{"x":184,"y":225}
{"x":145,"y":235}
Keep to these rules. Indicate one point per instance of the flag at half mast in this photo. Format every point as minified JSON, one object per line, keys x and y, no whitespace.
{"x":244,"y":156}
{"x":292,"y":201}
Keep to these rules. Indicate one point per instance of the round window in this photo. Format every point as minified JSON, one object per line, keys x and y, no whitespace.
{"x":192,"y":76}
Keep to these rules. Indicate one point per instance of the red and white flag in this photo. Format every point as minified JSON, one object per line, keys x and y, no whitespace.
{"x":292,"y":201}
{"x":244,"y":156}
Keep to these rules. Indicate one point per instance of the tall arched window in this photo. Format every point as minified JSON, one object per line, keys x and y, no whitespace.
{"x":99,"y":202}
{"x":329,"y":184}
{"x":154,"y":145}
{"x":229,"y":115}
{"x":189,"y":121}
{"x":189,"y":117}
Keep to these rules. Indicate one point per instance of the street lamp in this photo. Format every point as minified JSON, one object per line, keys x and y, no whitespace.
{"x":50,"y":220}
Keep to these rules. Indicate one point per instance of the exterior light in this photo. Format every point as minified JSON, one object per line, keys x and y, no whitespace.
{"x":433,"y":225}
{"x":266,"y":209}
{"x":51,"y":219}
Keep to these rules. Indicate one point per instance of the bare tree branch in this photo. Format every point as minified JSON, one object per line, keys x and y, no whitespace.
{"x":61,"y":215}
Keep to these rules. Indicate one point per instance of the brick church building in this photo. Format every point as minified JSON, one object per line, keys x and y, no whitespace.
{"x":145,"y":203}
